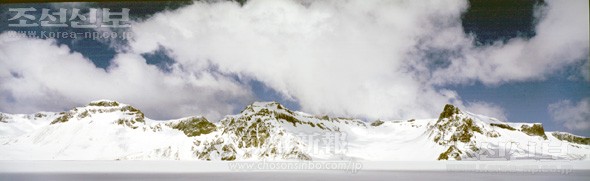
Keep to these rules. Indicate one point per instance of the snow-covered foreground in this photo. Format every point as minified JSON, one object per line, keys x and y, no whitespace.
{"x":297,"y":176}
{"x":350,"y":167}
{"x":199,"y":170}
{"x":108,"y":130}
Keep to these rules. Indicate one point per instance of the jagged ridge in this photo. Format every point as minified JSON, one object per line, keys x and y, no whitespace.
{"x":267,"y":130}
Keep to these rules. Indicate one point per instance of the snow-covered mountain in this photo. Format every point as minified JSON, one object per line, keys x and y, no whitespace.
{"x":109,"y":130}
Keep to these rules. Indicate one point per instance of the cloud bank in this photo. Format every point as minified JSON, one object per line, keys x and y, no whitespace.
{"x":573,"y":116}
{"x":487,"y":109}
{"x":372,"y":59}
{"x":333,"y":57}
{"x":39,"y":75}
{"x":361,"y":58}
{"x":561,"y":39}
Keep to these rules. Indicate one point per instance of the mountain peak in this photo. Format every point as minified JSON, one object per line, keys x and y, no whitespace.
{"x":271,"y":104}
{"x":449,"y":111}
{"x":128,"y":115}
{"x":104,"y":103}
{"x":267,"y":130}
{"x":453,"y":126}
{"x":265,"y":107}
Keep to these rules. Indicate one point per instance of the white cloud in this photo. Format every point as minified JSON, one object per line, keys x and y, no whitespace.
{"x":360,"y":58}
{"x":333,"y":57}
{"x":561,"y":39}
{"x":40,"y":75}
{"x":487,"y":109}
{"x":355,"y":58}
{"x":573,"y":116}
{"x":585,"y":70}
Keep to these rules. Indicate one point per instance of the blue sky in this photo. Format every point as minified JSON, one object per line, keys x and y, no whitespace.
{"x":527,"y":102}
{"x":520,"y":98}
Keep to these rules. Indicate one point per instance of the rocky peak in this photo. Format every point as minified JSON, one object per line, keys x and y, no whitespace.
{"x":259,"y":133}
{"x":257,"y":113}
{"x":131,"y":115}
{"x":449,"y":111}
{"x":264,"y":111}
{"x":273,"y":105}
{"x":453,"y":126}
{"x":193,"y":126}
{"x":256,"y":135}
{"x":571,"y":138}
{"x":265,"y":107}
{"x":534,"y":130}
{"x":3,"y":118}
{"x":104,"y":103}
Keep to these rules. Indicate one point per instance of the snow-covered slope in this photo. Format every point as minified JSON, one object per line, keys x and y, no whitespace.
{"x":104,"y":130}
{"x":109,"y":130}
{"x":467,"y":137}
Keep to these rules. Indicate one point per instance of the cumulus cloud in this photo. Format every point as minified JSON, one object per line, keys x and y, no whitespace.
{"x":573,"y":116}
{"x":371,"y":59}
{"x":360,"y":58}
{"x":561,"y":39}
{"x":39,"y":75}
{"x":333,"y":57}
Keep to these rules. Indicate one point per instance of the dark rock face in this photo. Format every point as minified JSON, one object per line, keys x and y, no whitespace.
{"x":535,"y":130}
{"x":571,"y":138}
{"x":194,"y":126}
{"x":449,"y":111}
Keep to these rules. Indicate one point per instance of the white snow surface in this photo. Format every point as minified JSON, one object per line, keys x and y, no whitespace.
{"x":269,"y":131}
